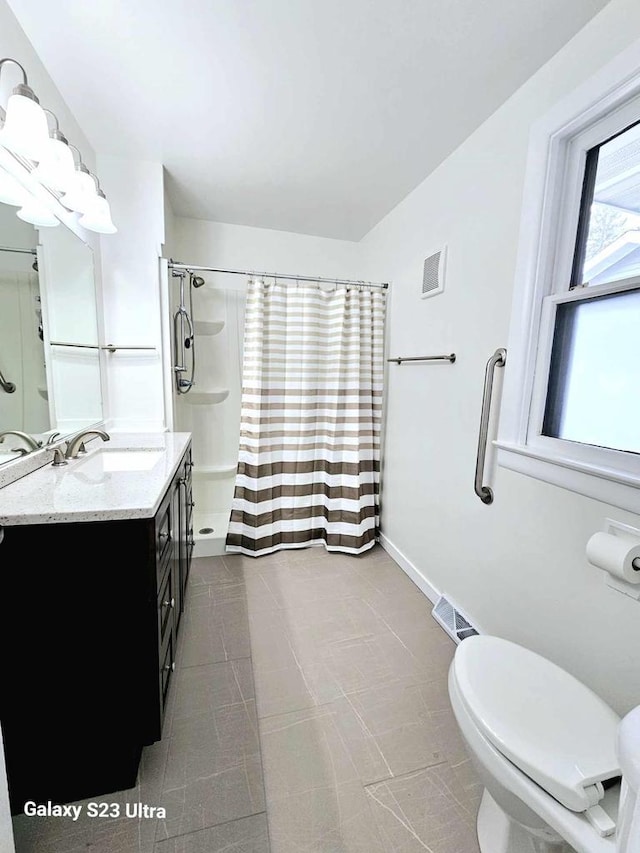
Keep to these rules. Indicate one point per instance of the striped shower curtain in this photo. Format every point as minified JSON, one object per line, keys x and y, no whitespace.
{"x":309,"y":463}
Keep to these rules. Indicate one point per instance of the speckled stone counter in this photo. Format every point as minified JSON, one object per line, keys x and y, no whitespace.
{"x":76,"y":492}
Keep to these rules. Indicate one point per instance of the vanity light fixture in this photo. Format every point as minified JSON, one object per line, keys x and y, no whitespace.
{"x":57,"y":167}
{"x":98,"y":217}
{"x":81,"y":190}
{"x":25,"y":134}
{"x":36,"y":213}
{"x":12,"y":192}
{"x":25,"y":129}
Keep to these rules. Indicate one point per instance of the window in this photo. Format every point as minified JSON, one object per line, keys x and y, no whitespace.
{"x":593,"y":394}
{"x":571,"y":403}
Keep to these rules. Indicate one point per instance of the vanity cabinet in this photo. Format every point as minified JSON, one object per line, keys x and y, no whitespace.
{"x":89,"y":635}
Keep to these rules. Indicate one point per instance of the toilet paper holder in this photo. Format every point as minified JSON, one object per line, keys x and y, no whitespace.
{"x":620,"y":584}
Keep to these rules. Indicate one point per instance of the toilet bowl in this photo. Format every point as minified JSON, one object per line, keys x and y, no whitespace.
{"x":561,"y":772}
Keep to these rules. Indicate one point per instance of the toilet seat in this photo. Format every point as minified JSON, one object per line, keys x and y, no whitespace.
{"x":546,"y":722}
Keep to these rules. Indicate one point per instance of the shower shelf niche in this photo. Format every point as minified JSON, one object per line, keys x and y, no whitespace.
{"x":215,"y":471}
{"x":206,"y":398}
{"x":208,"y":327}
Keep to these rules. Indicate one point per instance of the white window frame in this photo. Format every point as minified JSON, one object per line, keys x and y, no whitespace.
{"x":558,"y":147}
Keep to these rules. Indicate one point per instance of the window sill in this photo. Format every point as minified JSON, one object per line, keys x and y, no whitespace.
{"x":601,"y":484}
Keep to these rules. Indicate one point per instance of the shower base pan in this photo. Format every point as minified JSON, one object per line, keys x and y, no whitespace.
{"x":210,"y":533}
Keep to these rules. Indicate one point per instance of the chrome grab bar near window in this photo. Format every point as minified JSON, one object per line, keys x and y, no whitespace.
{"x":7,"y":386}
{"x":498,"y":359}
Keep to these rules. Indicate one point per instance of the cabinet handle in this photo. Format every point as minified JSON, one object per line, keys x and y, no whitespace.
{"x":171,"y":603}
{"x":166,"y":536}
{"x":183,"y":481}
{"x":192,"y":504}
{"x":169,"y":666}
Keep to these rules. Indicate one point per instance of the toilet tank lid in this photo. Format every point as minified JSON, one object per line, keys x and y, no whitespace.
{"x":550,"y":725}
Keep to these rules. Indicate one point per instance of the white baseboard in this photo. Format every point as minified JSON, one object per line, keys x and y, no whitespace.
{"x":410,"y":569}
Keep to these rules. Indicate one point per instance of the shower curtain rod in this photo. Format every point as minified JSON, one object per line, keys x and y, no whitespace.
{"x":189,"y":268}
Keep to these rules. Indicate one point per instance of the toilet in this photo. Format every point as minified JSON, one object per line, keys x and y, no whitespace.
{"x":561,"y":771}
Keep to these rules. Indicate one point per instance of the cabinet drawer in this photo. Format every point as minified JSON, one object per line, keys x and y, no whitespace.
{"x":164,"y":536}
{"x":166,"y":669}
{"x":166,"y":607}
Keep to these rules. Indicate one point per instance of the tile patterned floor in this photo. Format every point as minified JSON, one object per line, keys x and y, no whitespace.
{"x":347,"y":744}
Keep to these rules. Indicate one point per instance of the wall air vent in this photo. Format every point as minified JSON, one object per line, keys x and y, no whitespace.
{"x":433,"y":274}
{"x":455,"y":623}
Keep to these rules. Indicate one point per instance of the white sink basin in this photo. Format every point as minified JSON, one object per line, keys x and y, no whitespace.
{"x":111,"y":460}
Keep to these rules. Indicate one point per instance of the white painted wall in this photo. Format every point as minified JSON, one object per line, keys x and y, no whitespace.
{"x":518,"y":567}
{"x":240,"y":247}
{"x":131,"y":293}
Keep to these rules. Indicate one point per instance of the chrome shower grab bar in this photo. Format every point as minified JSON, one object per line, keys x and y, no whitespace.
{"x":180,"y":344}
{"x":7,"y":386}
{"x":498,"y":359}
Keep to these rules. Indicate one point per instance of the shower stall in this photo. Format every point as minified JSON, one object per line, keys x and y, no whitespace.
{"x":207,"y":307}
{"x":206,"y":363}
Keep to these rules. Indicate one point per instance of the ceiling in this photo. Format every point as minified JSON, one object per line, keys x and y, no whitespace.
{"x":312,"y":116}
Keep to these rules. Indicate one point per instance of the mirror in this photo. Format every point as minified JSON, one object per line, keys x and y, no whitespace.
{"x":49,"y":352}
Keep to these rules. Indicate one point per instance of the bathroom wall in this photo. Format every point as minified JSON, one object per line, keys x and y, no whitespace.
{"x":241,"y":247}
{"x":132,"y":293}
{"x":518,"y":566}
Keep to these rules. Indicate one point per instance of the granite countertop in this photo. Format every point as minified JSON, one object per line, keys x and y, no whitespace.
{"x":83,"y":491}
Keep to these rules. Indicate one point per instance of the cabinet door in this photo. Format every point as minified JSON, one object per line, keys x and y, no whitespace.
{"x":186,"y":523}
{"x":178,"y":546}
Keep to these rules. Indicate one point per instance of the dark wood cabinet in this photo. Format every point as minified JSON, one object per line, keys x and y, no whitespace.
{"x":91,"y":618}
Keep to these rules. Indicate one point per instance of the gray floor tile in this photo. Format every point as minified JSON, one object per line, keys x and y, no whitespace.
{"x":200,"y":690}
{"x":214,"y":632}
{"x":295,"y":586}
{"x":279,"y":691}
{"x":247,"y":835}
{"x":393,"y":729}
{"x":223,"y":740}
{"x":331,"y":819}
{"x":421,"y":812}
{"x":303,"y":751}
{"x":315,"y":801}
{"x":211,"y":798}
{"x":214,"y":570}
{"x":359,"y":663}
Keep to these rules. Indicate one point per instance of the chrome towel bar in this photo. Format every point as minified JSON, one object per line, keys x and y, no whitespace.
{"x":498,"y":359}
{"x":401,"y":358}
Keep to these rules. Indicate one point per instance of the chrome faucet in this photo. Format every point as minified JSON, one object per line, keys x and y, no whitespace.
{"x":29,"y":440}
{"x":75,"y":444}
